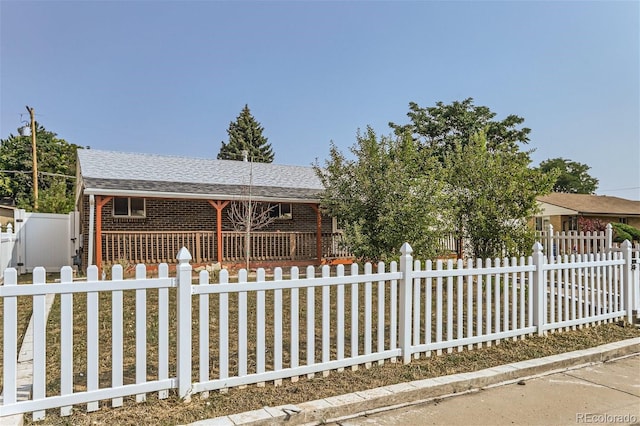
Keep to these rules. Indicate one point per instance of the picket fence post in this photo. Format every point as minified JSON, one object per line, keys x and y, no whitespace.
{"x":10,"y":341}
{"x":609,"y":237}
{"x":406,"y":285}
{"x":183,"y":276}
{"x":538,"y":289}
{"x":627,"y":280}
{"x":549,"y":249}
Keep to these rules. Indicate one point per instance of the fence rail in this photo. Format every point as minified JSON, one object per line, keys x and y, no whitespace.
{"x":198,"y":336}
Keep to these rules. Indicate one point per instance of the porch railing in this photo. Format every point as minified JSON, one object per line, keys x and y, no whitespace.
{"x":161,"y":246}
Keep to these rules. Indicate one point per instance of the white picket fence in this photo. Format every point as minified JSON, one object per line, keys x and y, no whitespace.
{"x":574,"y":242}
{"x":559,"y":244}
{"x":204,"y":336}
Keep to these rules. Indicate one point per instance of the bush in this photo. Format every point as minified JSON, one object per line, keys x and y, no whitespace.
{"x":625,"y":232}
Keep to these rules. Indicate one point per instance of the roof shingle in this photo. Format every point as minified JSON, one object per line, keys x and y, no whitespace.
{"x":132,"y":172}
{"x":592,"y":204}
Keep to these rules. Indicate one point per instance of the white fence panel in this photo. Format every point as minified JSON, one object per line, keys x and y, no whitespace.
{"x":490,"y":295}
{"x":574,"y":242}
{"x":584,"y":289}
{"x":96,"y":386}
{"x":260,"y":320}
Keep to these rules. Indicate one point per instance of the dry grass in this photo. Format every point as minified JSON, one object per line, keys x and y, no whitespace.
{"x":172,"y":411}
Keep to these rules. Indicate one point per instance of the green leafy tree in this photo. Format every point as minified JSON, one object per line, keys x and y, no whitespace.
{"x":442,"y":127}
{"x":453,"y":167}
{"x":245,"y":134}
{"x":56,"y":198}
{"x":493,"y":195}
{"x":386,"y":195}
{"x":56,"y":168}
{"x":571,"y":176}
{"x":491,"y":187}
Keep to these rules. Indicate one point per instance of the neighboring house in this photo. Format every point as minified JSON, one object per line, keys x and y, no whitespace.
{"x":142,"y":208}
{"x":563,"y":210}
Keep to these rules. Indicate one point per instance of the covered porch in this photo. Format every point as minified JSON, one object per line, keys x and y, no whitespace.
{"x":130,"y":243}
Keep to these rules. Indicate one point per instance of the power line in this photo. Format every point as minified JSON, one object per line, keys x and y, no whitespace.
{"x":26,"y":172}
{"x":620,"y":189}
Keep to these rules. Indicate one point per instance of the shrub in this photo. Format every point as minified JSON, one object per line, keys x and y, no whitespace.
{"x":625,"y":232}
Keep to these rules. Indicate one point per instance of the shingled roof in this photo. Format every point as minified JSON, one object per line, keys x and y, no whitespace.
{"x":149,"y":175}
{"x":586,"y":204}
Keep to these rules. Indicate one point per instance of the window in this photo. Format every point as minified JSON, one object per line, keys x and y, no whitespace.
{"x":539,"y":224}
{"x":571,"y":224}
{"x":623,"y":220}
{"x":542,"y":223}
{"x":129,"y":207}
{"x":280,"y":211}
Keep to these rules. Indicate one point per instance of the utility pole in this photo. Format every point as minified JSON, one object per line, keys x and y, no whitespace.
{"x":35,"y":158}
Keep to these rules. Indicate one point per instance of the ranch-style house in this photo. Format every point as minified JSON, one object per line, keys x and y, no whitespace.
{"x":142,"y":208}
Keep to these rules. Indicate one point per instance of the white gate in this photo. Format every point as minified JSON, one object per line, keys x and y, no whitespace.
{"x":45,"y":239}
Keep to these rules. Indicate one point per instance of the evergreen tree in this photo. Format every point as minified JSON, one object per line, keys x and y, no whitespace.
{"x":245,"y":134}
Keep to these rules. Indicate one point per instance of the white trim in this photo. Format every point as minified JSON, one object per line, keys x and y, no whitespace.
{"x":92,"y":213}
{"x":553,"y":210}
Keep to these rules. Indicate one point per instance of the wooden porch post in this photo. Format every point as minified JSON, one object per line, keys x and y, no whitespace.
{"x":100,"y":201}
{"x":318,"y":231}
{"x":219,"y":205}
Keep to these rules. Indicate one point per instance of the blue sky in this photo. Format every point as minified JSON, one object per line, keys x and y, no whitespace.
{"x":167,"y":77}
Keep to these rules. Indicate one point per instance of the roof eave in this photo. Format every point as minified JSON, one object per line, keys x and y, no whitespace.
{"x":616,"y":214}
{"x":193,"y":196}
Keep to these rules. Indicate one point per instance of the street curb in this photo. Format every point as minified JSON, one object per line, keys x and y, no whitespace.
{"x":355,"y":404}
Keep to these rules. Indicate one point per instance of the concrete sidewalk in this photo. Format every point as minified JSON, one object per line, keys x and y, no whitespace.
{"x":605,"y":393}
{"x":359,"y":407}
